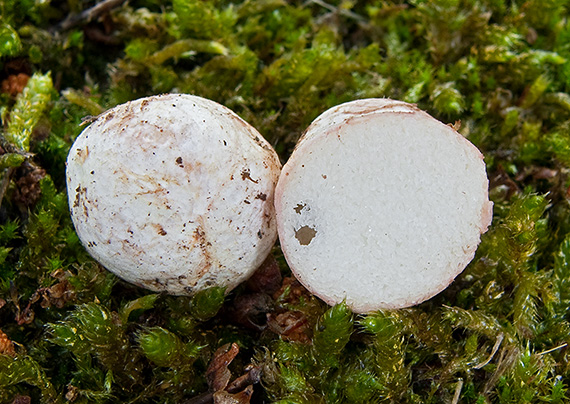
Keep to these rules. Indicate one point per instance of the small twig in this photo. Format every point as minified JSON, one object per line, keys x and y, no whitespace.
{"x":509,"y":355}
{"x":253,"y":376}
{"x":88,"y":15}
{"x":553,"y":349}
{"x":457,"y":394}
{"x":342,"y":11}
{"x":493,"y":351}
{"x":9,"y":147}
{"x":205,"y":398}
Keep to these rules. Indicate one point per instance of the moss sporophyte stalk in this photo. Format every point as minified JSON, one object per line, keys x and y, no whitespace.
{"x":73,"y":332}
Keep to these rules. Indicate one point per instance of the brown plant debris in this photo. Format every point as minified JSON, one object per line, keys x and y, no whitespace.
{"x":250,"y":310}
{"x":28,"y":184}
{"x":15,"y":83}
{"x":56,"y":295}
{"x":218,"y":375}
{"x":6,"y":345}
{"x":243,"y":397}
{"x":291,"y":326}
{"x":22,"y":400}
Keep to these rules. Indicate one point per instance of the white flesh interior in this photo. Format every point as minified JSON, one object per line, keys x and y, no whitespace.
{"x":383,"y":212}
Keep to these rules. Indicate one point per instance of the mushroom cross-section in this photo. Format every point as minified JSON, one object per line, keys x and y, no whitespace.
{"x":381,"y":205}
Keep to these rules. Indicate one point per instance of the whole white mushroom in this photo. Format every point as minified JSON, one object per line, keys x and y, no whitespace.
{"x":174,"y":193}
{"x":381,"y":205}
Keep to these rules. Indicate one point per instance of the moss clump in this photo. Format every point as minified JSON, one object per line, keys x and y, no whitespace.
{"x":72,"y":332}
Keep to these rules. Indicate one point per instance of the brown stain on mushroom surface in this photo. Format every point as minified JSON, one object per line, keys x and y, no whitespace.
{"x":246,"y":175}
{"x":82,"y":154}
{"x":78,"y":193}
{"x":152,"y":284}
{"x":247,"y":128}
{"x":81,"y":200}
{"x":204,"y":245}
{"x":160,"y":230}
{"x":109,"y":115}
{"x":305,"y":235}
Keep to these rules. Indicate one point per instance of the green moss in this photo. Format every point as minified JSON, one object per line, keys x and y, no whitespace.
{"x":165,"y":349}
{"x":10,"y":40}
{"x":206,"y":303}
{"x":8,"y":160}
{"x":24,"y":369}
{"x":331,"y":335}
{"x":28,"y":110}
{"x":498,"y":334}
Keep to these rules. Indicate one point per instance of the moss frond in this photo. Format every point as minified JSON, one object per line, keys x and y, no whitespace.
{"x":332,"y":333}
{"x":21,"y":369}
{"x":28,"y":110}
{"x":206,"y":303}
{"x":165,"y":349}
{"x":497,"y":334}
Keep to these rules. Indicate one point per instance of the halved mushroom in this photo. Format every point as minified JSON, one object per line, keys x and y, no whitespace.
{"x":381,"y":205}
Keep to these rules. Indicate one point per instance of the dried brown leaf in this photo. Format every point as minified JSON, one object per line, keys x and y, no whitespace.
{"x":243,"y":397}
{"x":290,"y":325}
{"x":6,"y":345}
{"x":218,"y":375}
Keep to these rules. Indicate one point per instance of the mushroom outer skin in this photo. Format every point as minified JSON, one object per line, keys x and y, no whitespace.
{"x":174,"y":193}
{"x":380,"y":205}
